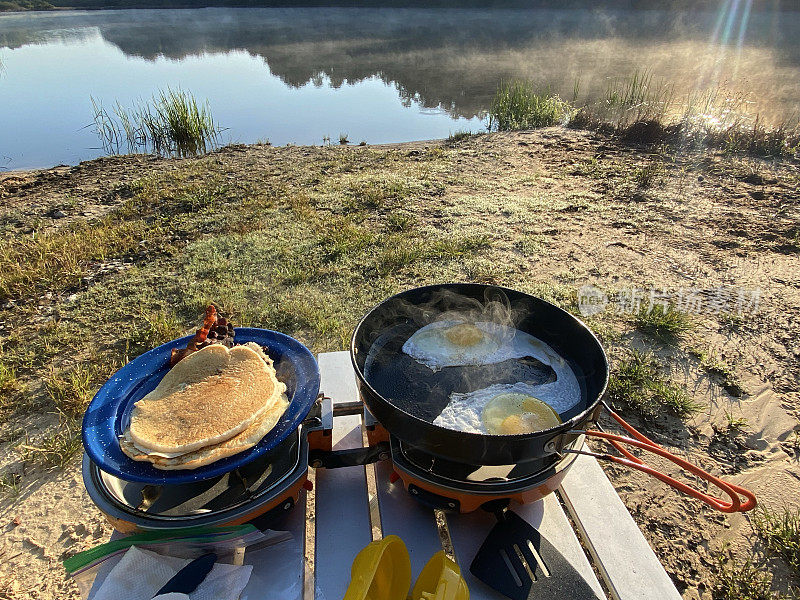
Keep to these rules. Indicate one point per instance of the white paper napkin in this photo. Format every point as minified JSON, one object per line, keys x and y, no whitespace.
{"x":141,"y":573}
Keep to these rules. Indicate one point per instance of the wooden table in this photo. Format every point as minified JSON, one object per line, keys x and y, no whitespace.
{"x":349,"y":507}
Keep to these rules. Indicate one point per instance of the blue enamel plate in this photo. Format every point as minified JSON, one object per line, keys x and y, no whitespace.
{"x":109,"y":412}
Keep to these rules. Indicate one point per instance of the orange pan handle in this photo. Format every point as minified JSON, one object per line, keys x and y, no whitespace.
{"x":741,"y":499}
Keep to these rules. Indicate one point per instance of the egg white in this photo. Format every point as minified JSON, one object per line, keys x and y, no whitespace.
{"x":464,"y":411}
{"x":431,"y":346}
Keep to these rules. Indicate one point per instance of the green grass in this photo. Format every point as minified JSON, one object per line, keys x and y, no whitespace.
{"x":758,"y":139}
{"x":638,"y":384}
{"x":743,"y":581}
{"x":57,"y":448}
{"x":780,"y":530}
{"x":400,"y":221}
{"x":562,"y":295}
{"x":159,"y":212}
{"x":530,"y":245}
{"x":173,"y":123}
{"x":152,"y":329}
{"x":640,"y":109}
{"x":9,"y":485}
{"x":9,"y":382}
{"x":458,"y":136}
{"x":343,"y":238}
{"x":57,"y":260}
{"x":629,"y":92}
{"x":398,"y":253}
{"x":649,"y":175}
{"x":720,"y":372}
{"x":306,"y":314}
{"x":304,"y":252}
{"x":665,"y":323}
{"x":28,"y":348}
{"x":71,"y":390}
{"x":636,"y":98}
{"x":517,"y":105}
{"x":736,"y":424}
{"x":589,"y":168}
{"x":374,"y":192}
{"x":294,"y":274}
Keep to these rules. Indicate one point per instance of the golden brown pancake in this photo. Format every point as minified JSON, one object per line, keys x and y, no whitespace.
{"x":204,"y":456}
{"x":207,"y":398}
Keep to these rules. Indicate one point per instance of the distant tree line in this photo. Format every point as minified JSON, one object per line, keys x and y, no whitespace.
{"x":7,"y":5}
{"x":612,"y":4}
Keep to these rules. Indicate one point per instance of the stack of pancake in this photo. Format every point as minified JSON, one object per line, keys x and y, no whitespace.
{"x":214,"y":403}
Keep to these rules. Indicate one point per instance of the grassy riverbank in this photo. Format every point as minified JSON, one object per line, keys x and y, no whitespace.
{"x":639,"y":109}
{"x":105,"y":260}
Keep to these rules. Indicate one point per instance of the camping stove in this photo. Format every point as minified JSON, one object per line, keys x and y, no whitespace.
{"x":269,"y":486}
{"x":460,"y":487}
{"x":257,"y":492}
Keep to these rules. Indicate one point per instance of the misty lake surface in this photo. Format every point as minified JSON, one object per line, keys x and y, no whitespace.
{"x":379,"y":75}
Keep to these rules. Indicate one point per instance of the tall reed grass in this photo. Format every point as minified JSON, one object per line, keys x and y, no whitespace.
{"x":642,"y":109}
{"x":172,"y":123}
{"x":637,"y":98}
{"x":517,"y":105}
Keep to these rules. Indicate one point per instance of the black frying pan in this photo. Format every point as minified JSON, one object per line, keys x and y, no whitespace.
{"x":406,"y":396}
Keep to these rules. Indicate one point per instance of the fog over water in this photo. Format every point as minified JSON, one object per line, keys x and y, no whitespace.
{"x":379,"y":75}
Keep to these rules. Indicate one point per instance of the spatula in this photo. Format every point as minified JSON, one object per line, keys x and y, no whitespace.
{"x":515,"y":557}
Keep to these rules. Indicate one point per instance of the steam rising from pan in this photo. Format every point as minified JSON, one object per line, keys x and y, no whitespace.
{"x":416,"y":389}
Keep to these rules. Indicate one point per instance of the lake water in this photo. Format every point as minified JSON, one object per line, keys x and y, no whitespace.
{"x":378,"y":75}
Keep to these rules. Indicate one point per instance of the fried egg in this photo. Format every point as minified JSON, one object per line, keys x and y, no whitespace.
{"x":508,"y":409}
{"x":515,"y":413}
{"x":457,"y":343}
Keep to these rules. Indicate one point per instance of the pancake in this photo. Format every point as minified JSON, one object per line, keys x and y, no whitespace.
{"x":204,"y":456}
{"x":207,"y":398}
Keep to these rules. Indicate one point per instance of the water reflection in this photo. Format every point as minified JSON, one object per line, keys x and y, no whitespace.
{"x":451,"y":60}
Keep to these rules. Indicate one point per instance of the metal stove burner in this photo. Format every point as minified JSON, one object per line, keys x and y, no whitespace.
{"x":477,"y":479}
{"x":217,"y":500}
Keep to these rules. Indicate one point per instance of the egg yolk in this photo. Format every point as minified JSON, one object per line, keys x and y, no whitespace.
{"x":513,"y":425}
{"x":534,"y":405}
{"x":514,"y":414}
{"x":464,"y":335}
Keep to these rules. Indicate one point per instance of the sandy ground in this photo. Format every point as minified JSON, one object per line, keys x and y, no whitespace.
{"x":710,"y":221}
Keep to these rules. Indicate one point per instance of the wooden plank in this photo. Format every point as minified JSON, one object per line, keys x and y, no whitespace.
{"x":469,"y":530}
{"x":278,"y":571}
{"x":403,"y":516}
{"x":342,"y":515}
{"x":626,"y":562}
{"x":558,"y":530}
{"x":337,"y":378}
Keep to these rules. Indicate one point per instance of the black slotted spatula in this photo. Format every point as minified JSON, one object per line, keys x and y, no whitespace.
{"x":515,"y":557}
